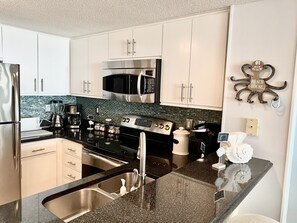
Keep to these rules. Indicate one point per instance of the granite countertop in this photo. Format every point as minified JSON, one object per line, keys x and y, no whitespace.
{"x":186,"y":194}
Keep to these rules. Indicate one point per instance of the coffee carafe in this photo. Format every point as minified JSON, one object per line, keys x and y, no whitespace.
{"x":57,"y":108}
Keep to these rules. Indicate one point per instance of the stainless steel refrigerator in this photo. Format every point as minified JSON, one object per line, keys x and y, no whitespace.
{"x":10,"y":168}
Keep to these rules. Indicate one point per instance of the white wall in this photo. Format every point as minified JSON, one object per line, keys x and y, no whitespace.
{"x":264,"y":30}
{"x":289,"y":201}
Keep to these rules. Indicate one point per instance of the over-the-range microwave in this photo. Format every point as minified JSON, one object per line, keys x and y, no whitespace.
{"x":132,"y":80}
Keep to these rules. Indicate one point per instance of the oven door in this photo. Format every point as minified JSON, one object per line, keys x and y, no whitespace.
{"x":93,"y":163}
{"x":131,"y":85}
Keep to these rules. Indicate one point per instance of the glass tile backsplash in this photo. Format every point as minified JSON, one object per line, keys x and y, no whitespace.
{"x":32,"y":106}
{"x":116,"y":109}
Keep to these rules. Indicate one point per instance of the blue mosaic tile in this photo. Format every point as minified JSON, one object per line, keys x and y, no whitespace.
{"x":116,"y":109}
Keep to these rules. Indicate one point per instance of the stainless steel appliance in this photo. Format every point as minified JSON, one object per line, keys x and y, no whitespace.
{"x":10,"y":186}
{"x":57,"y":108}
{"x":132,"y":80}
{"x":116,"y":150}
{"x":73,"y":116}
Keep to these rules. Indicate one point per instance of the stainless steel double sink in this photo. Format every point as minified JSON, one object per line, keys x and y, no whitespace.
{"x":74,"y":204}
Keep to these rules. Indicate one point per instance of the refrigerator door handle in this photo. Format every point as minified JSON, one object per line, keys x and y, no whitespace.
{"x":16,"y":145}
{"x":16,"y":96}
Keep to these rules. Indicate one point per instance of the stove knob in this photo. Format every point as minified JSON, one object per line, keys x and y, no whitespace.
{"x":167,"y":127}
{"x":161,"y":126}
{"x":127,"y":120}
{"x":156,"y":125}
{"x":124,"y":119}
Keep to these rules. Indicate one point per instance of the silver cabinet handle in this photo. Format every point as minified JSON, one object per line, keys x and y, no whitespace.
{"x":191,"y":87}
{"x":71,"y":176}
{"x":71,"y":150}
{"x":38,"y":150}
{"x":41,"y":82}
{"x":35,"y":84}
{"x":84,"y":86}
{"x":182,"y":92}
{"x":71,"y":163}
{"x":88,"y":86}
{"x":133,"y":46}
{"x":128,"y":47}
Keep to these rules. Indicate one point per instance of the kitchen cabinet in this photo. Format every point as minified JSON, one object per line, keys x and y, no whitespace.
{"x":1,"y":50}
{"x":53,"y":65}
{"x":43,"y":59}
{"x":20,"y":47}
{"x":39,"y":166}
{"x":87,"y":55}
{"x":72,"y":166}
{"x":175,"y":62}
{"x":198,"y":52}
{"x":138,"y":42}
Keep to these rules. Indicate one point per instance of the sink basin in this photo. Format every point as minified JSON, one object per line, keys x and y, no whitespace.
{"x":75,"y":204}
{"x":72,"y":205}
{"x":113,"y":184}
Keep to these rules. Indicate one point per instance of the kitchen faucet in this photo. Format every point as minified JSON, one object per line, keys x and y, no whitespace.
{"x":141,"y":155}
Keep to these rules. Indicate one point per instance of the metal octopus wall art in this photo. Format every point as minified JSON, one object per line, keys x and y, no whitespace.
{"x":254,"y":84}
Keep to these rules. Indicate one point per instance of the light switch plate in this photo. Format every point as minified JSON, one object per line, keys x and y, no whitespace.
{"x":252,"y":127}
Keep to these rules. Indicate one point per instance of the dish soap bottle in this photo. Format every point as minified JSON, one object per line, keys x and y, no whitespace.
{"x":123,"y":189}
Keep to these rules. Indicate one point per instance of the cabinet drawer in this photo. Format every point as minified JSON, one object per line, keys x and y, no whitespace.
{"x":72,"y":162}
{"x":73,"y":149}
{"x":71,"y":174}
{"x":37,"y":148}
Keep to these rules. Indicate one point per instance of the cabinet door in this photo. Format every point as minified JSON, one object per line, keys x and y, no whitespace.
{"x":79,"y":66}
{"x":1,"y":52}
{"x":53,"y":65}
{"x":176,"y":62}
{"x":208,"y":52}
{"x":98,"y":52}
{"x":38,"y":173}
{"x":120,"y":45}
{"x":20,"y":47}
{"x":147,"y":41}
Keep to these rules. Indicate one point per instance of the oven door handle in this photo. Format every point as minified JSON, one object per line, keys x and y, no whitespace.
{"x":111,"y":161}
{"x":139,"y":85}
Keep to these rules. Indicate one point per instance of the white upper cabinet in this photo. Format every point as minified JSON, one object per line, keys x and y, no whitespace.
{"x":194,"y":61}
{"x":20,"y":47}
{"x":87,"y":55}
{"x":208,"y":52}
{"x":176,"y":62}
{"x":43,"y":59}
{"x":53,"y":65}
{"x":138,"y":42}
{"x":1,"y":51}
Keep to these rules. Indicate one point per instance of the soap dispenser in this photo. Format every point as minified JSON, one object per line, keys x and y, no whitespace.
{"x":123,"y":189}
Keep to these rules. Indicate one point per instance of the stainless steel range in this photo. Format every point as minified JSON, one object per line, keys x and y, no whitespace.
{"x":122,"y":148}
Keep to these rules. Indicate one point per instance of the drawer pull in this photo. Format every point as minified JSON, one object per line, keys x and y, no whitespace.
{"x":37,"y":150}
{"x":71,"y":176}
{"x":71,"y":150}
{"x":71,"y":163}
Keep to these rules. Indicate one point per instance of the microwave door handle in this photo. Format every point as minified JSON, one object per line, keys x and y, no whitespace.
{"x":139,"y":86}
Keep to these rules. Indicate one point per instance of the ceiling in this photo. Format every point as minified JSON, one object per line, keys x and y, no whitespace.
{"x":72,"y":18}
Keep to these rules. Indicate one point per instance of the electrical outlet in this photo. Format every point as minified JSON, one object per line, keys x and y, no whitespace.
{"x":47,"y":108}
{"x":252,"y":127}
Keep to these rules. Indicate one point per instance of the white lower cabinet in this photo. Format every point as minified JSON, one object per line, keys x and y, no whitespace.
{"x":193,"y":67}
{"x":71,"y":161}
{"x":39,"y":166}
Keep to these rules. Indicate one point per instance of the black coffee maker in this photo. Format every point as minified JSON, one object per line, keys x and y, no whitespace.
{"x":205,"y":137}
{"x":73,"y":116}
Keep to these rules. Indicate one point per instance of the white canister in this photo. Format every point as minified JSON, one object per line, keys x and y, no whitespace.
{"x":181,"y":141}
